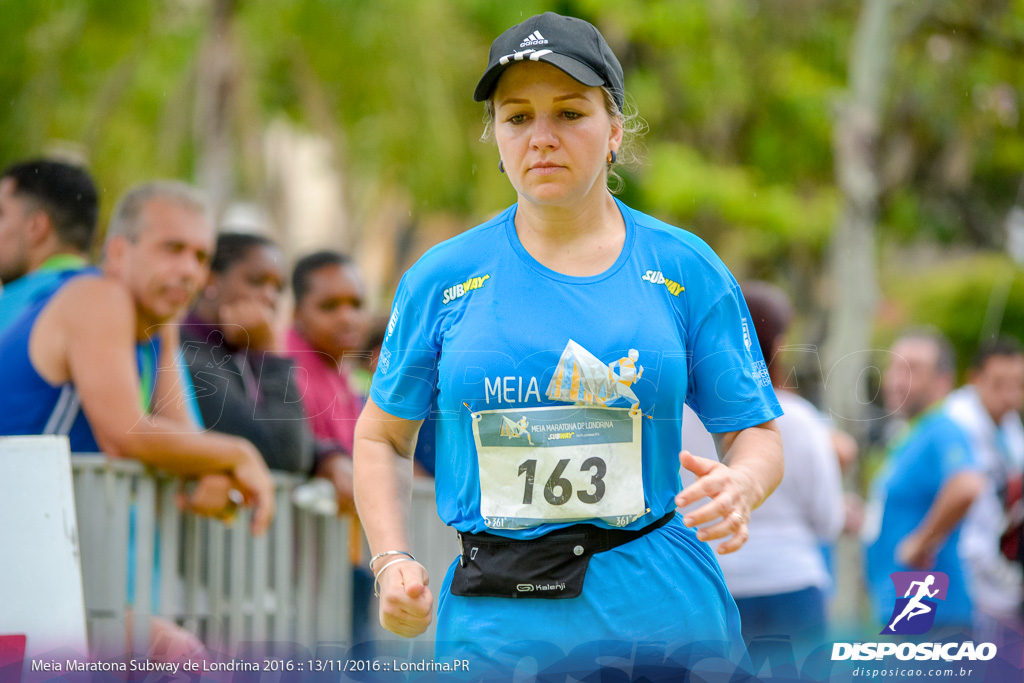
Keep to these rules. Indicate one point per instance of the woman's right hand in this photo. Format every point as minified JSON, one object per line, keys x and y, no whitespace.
{"x":406,"y":604}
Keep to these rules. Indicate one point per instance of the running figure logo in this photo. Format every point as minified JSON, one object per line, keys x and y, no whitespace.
{"x":514,"y":430}
{"x":626,"y":373}
{"x":914,"y":613}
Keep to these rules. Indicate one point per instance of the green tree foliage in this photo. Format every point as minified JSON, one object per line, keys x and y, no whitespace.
{"x":104,"y":79}
{"x":967,"y":297}
{"x":739,"y":95}
{"x":954,"y":135}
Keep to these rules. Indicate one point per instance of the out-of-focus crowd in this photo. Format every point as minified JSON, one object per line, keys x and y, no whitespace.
{"x":943,"y":497}
{"x":172,"y":350}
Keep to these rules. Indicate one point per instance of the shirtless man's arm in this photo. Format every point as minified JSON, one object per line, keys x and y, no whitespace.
{"x":86,"y":335}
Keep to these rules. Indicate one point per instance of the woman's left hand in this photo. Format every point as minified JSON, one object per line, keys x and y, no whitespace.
{"x":733,"y":497}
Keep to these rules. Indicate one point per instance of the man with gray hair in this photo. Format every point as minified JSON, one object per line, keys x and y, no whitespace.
{"x":95,"y":359}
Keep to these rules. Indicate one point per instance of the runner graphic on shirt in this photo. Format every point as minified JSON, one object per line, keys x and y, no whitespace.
{"x":580,"y":377}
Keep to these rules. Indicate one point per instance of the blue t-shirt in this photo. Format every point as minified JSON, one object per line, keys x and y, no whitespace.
{"x":920,"y":462}
{"x":492,"y":329}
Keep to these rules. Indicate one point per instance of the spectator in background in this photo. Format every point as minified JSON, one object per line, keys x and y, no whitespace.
{"x":329,"y":329}
{"x":48,"y":213}
{"x":330,"y":323}
{"x":365,"y":362}
{"x":86,"y":356}
{"x":83,"y":360}
{"x":779,"y":578}
{"x":229,"y":344}
{"x":988,"y":410}
{"x":847,"y":448}
{"x":929,"y":480}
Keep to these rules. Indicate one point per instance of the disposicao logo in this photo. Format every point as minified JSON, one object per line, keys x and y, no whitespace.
{"x":914,"y":613}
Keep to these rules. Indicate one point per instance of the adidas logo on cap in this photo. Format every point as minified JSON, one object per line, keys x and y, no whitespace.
{"x":534,"y":38}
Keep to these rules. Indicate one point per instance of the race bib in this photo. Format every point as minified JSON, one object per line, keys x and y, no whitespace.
{"x":564,"y":464}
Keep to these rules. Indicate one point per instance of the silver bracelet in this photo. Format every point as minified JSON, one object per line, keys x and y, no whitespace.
{"x":376,"y":578}
{"x":389,"y":552}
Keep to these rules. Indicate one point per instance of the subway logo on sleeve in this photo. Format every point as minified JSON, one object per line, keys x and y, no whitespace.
{"x":461,"y":289}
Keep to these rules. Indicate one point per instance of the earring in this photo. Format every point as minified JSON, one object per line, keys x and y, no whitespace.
{"x":501,"y":165}
{"x":611,"y":156}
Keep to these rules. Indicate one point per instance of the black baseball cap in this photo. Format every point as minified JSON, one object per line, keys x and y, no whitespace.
{"x":571,"y":44}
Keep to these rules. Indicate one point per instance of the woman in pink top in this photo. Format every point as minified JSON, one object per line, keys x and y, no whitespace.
{"x":330,"y":324}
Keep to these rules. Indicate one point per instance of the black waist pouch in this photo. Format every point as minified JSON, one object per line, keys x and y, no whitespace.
{"x":551,"y":567}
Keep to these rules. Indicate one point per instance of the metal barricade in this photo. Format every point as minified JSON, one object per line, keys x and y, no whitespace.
{"x":141,"y":555}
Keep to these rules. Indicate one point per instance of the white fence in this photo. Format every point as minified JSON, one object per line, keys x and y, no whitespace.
{"x":292,"y":585}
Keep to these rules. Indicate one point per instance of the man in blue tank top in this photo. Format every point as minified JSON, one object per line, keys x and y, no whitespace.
{"x":71,"y":362}
{"x":48,"y":212}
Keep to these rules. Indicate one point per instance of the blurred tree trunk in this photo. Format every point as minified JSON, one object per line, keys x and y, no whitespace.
{"x":854,"y":290}
{"x":216,"y":88}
